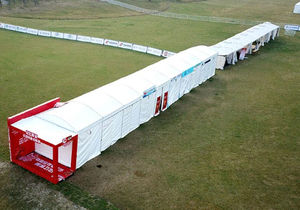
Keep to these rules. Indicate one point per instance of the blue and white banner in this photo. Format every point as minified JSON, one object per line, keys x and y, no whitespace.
{"x":44,"y":33}
{"x":10,"y":27}
{"x":187,"y":72}
{"x":292,"y":27}
{"x":139,"y":48}
{"x":21,"y":29}
{"x":149,"y":91}
{"x":97,"y":40}
{"x":154,"y":51}
{"x":1,"y":25}
{"x":125,"y":45}
{"x":32,"y":31}
{"x":110,"y":42}
{"x":57,"y":35}
{"x":70,"y":36}
{"x":83,"y":38}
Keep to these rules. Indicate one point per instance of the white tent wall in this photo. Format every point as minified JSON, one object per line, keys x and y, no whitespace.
{"x":131,"y":102}
{"x":89,"y":143}
{"x":110,"y":111}
{"x":297,"y":8}
{"x":131,"y":118}
{"x":147,"y":90}
{"x":112,"y":130}
{"x":162,"y":84}
{"x":174,"y":90}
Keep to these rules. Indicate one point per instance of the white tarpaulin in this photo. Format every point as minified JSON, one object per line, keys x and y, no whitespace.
{"x":297,"y":8}
{"x":154,"y":51}
{"x":139,"y":48}
{"x":44,"y":33}
{"x":83,"y":38}
{"x":125,"y":45}
{"x":57,"y":35}
{"x":97,"y":40}
{"x":70,"y":36}
{"x":110,"y":42}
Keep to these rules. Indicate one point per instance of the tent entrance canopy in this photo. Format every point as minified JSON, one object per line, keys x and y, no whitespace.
{"x":51,"y":154}
{"x":258,"y":35}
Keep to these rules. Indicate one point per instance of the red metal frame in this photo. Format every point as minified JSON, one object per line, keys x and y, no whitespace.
{"x":22,"y":148}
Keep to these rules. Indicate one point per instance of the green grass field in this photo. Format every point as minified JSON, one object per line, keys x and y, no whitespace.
{"x":232,"y":143}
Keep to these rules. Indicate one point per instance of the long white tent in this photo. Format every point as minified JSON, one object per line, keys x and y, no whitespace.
{"x":55,"y":138}
{"x":249,"y":40}
{"x":104,"y":115}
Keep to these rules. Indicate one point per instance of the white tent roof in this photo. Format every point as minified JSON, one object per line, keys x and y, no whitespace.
{"x":182,"y":61}
{"x":244,"y":38}
{"x":72,"y":116}
{"x":101,"y":103}
{"x":123,"y":94}
{"x":137,"y":83}
{"x":47,"y":131}
{"x":152,"y":76}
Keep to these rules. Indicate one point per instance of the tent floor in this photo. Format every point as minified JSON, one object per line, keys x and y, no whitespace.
{"x":43,"y":166}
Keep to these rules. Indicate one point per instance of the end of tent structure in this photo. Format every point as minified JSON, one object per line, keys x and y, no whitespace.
{"x":59,"y":145}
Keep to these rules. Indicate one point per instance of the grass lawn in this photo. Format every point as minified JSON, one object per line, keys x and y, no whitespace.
{"x":233,"y":142}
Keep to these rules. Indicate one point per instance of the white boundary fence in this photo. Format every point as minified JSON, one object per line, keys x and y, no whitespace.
{"x":88,"y":39}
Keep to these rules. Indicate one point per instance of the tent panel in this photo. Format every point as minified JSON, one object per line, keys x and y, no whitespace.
{"x":131,"y":118}
{"x":89,"y":143}
{"x":112,"y":130}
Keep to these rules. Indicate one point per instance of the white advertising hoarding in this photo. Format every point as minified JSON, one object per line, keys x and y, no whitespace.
{"x":21,"y":29}
{"x":154,"y":51}
{"x":167,"y":54}
{"x":83,"y":38}
{"x":139,"y":48}
{"x":10,"y":27}
{"x":44,"y":33}
{"x":125,"y":45}
{"x":110,"y":42}
{"x":70,"y":36}
{"x":97,"y":40}
{"x":57,"y":35}
{"x":32,"y":31}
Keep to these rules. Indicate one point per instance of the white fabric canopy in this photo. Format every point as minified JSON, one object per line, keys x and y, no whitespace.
{"x":260,"y":34}
{"x":297,"y":8}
